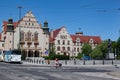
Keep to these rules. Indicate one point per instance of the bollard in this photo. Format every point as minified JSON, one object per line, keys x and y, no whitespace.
{"x":39,"y":61}
{"x":42,"y":62}
{"x":65,"y":62}
{"x":84,"y":62}
{"x":112,"y":62}
{"x":94,"y":62}
{"x":32,"y":61}
{"x":103,"y":62}
{"x":74,"y":62}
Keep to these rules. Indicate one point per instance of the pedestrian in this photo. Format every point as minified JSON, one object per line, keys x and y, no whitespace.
{"x":56,"y":63}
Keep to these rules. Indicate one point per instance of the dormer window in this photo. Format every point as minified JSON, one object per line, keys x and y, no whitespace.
{"x":91,"y":40}
{"x":78,"y":40}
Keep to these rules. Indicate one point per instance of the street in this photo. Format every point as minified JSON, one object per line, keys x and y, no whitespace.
{"x":36,"y":72}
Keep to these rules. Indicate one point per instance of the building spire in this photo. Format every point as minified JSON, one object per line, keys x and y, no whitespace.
{"x":79,"y":32}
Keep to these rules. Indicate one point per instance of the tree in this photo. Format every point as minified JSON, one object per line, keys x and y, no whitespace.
{"x":118,"y":45}
{"x":86,"y":49}
{"x":104,"y":48}
{"x":118,"y":48}
{"x":80,"y":55}
{"x":114,"y":46}
{"x":96,"y":53}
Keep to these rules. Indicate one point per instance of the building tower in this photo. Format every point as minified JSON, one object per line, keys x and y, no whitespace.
{"x":45,"y":28}
{"x":9,"y":41}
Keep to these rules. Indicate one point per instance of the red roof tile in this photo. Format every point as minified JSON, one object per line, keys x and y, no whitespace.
{"x":96,"y":39}
{"x":53,"y":34}
{"x":83,"y":39}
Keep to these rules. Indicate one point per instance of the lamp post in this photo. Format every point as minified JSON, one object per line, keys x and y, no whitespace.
{"x":19,"y":7}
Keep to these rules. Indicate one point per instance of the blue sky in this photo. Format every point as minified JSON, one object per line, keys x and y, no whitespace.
{"x":93,"y":17}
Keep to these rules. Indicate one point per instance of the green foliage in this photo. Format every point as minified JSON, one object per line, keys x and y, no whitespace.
{"x":52,"y":56}
{"x":118,"y":42}
{"x":46,"y":57}
{"x":86,"y":49}
{"x":114,"y":46}
{"x":96,"y":53}
{"x":104,"y":48}
{"x":80,"y":55}
{"x":118,"y":57}
{"x":62,"y":57}
{"x":118,"y":49}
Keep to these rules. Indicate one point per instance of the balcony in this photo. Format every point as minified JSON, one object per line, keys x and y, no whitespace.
{"x":36,"y":42}
{"x":29,"y":42}
{"x":22,"y":42}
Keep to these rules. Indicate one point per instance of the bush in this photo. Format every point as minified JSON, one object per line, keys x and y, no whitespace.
{"x":46,"y":57}
{"x":62,"y":57}
{"x":118,"y":57}
{"x":52,"y":56}
{"x":80,"y":56}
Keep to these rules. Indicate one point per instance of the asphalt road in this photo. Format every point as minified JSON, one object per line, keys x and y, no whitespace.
{"x":36,"y":72}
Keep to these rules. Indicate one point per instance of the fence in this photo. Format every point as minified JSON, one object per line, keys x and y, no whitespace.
{"x":72,"y":62}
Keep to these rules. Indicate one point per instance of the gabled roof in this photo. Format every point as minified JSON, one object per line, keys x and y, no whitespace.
{"x":53,"y":34}
{"x":5,"y":25}
{"x":83,"y":39}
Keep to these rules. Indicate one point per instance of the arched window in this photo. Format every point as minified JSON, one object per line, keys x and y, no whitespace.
{"x":58,"y":48}
{"x":36,"y":36}
{"x":63,"y":48}
{"x":29,"y":36}
{"x":68,"y":42}
{"x":22,"y":36}
{"x":68,"y":48}
{"x":77,"y":49}
{"x":58,"y":41}
{"x":63,"y":42}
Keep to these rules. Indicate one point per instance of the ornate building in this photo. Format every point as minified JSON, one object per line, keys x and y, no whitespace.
{"x":27,"y":35}
{"x":62,"y":41}
{"x":33,"y":39}
{"x":71,"y":44}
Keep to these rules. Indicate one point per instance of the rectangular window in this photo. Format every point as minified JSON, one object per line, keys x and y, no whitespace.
{"x":58,"y":41}
{"x":77,"y":49}
{"x":74,"y":49}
